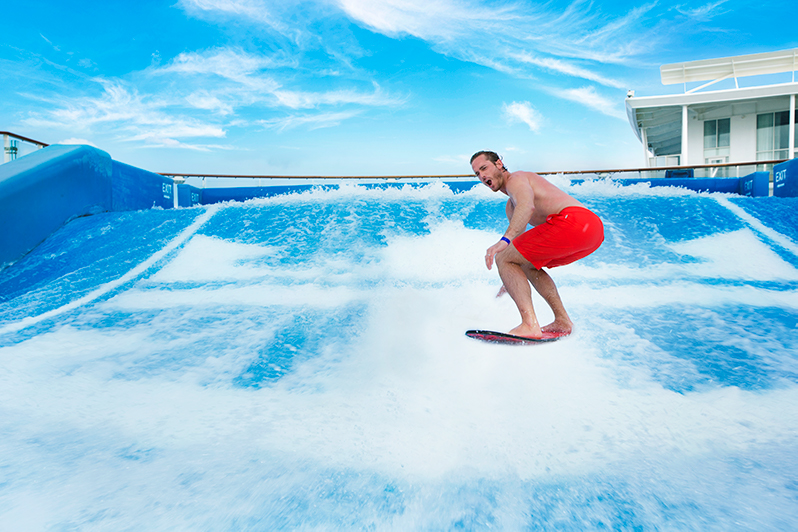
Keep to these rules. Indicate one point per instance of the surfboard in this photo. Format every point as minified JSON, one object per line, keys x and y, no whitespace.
{"x":504,"y":338}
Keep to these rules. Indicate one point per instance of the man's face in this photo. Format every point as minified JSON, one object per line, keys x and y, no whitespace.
{"x":488,"y":172}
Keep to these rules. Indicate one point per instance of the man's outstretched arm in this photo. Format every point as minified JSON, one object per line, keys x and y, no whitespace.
{"x":519,"y":211}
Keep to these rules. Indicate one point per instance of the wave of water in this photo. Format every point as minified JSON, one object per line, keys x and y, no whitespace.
{"x":298,"y":362}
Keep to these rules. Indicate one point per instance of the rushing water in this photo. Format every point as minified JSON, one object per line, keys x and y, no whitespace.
{"x":298,"y":362}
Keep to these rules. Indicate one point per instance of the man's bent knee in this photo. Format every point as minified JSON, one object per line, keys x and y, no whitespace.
{"x":510,"y":255}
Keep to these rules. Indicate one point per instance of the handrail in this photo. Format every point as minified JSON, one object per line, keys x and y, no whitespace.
{"x":442,"y":176}
{"x":26,"y":139}
{"x":657,"y":168}
{"x":566,"y":172}
{"x":231,"y":176}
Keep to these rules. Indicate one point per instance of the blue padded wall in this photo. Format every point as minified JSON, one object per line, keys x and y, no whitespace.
{"x":43,"y":190}
{"x":134,"y":189}
{"x":188,"y":195}
{"x":785,"y":179}
{"x":755,"y":185}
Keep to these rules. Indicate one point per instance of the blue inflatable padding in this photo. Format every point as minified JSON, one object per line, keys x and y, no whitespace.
{"x":42,"y":191}
{"x":135,"y":189}
{"x":188,"y":195}
{"x":45,"y":189}
{"x":756,"y":185}
{"x":785,"y":179}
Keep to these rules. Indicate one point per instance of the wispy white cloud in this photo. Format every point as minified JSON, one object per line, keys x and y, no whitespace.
{"x":314,"y":121}
{"x":250,"y":81}
{"x":510,"y":37}
{"x":523,"y":112}
{"x":526,"y":40}
{"x":252,"y":9}
{"x":436,"y":20}
{"x":704,"y":12}
{"x":202,"y":99}
{"x":605,"y":39}
{"x":48,"y":41}
{"x":568,"y":68}
{"x":513,"y":36}
{"x":228,"y":63}
{"x":133,"y":116}
{"x":589,"y":97}
{"x":200,"y":95}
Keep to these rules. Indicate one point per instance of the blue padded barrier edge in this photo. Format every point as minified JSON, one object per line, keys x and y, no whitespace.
{"x":45,"y":189}
{"x":785,"y":179}
{"x":135,"y":189}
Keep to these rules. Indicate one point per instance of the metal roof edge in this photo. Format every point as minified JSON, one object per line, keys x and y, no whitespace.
{"x":726,"y":95}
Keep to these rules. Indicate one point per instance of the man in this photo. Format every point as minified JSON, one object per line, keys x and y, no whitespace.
{"x":564,"y":231}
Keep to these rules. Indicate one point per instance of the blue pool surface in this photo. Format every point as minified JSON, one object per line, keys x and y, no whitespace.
{"x":298,"y":362}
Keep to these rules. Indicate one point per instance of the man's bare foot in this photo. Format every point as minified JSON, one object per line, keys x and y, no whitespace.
{"x":559,"y":326}
{"x":527,"y":331}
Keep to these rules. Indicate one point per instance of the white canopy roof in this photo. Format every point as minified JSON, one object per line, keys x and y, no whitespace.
{"x":728,"y":67}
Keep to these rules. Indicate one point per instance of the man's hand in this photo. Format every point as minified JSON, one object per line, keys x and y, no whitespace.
{"x":501,"y":245}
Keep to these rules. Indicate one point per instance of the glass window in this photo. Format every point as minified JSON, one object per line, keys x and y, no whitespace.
{"x":764,"y":137}
{"x":717,"y":133}
{"x":710,"y":133}
{"x":717,"y":136}
{"x":724,"y":132}
{"x":781,"y":135}
{"x":773,"y":136}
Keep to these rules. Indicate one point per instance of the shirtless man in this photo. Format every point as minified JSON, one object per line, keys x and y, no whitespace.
{"x":564,"y":231}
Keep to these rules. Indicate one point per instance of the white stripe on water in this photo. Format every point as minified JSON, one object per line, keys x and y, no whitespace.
{"x":108,"y":287}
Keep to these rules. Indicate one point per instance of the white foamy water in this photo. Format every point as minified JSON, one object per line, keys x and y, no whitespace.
{"x":126,"y":414}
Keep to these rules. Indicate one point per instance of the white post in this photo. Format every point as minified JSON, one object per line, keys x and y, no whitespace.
{"x":792,"y":126}
{"x":684,"y":136}
{"x":644,"y":138}
{"x":6,"y":149}
{"x":176,"y":180}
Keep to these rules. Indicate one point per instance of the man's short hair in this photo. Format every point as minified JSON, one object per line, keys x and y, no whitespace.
{"x":492,"y":156}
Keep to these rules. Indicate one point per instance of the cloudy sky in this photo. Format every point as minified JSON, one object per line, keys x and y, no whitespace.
{"x":357,"y":87}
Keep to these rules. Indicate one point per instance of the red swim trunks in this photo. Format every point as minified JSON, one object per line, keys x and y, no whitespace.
{"x":569,"y":235}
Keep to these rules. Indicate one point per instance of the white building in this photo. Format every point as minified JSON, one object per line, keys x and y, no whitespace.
{"x":739,"y":125}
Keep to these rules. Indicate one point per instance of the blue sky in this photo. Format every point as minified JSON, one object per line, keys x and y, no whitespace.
{"x":357,"y":87}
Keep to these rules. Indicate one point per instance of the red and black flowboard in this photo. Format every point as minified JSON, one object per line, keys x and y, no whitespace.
{"x":504,"y":338}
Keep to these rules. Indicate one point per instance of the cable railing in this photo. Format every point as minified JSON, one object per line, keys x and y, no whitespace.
{"x":740,"y":169}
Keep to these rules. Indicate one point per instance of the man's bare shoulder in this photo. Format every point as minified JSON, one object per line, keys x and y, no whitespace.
{"x":518,"y":183}
{"x":522,"y":179}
